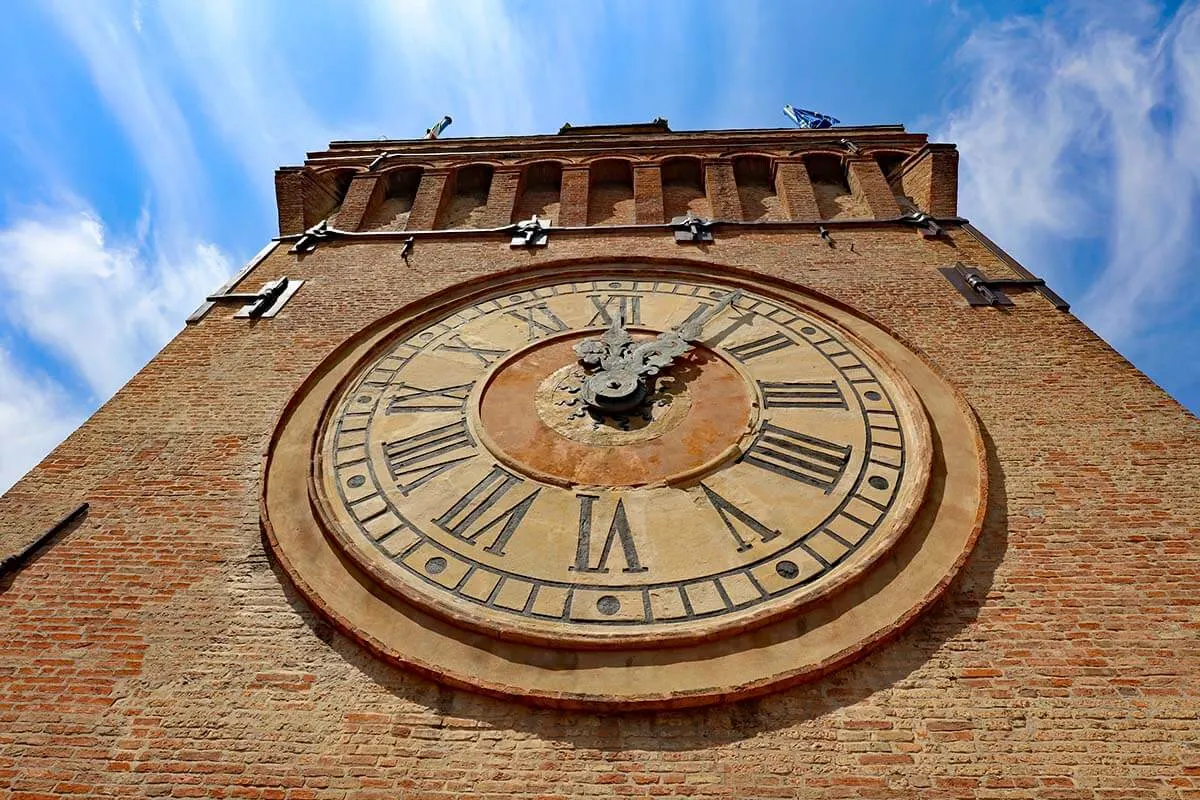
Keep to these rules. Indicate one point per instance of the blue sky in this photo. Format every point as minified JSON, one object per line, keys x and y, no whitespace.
{"x":138,"y":141}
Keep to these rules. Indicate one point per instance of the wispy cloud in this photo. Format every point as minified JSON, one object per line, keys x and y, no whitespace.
{"x":35,"y":415}
{"x":1081,"y":152}
{"x":497,"y":68}
{"x":147,"y":111}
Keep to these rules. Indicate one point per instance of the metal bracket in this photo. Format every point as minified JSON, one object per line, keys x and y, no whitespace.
{"x":532,"y":232}
{"x":979,"y":290}
{"x":928,"y":225}
{"x":266,"y":302}
{"x":308,"y":241}
{"x":690,"y":228}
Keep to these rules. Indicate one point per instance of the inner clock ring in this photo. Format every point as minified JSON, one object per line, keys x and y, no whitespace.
{"x":698,"y":414}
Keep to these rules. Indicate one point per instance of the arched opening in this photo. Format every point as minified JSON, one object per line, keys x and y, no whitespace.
{"x":832,"y":190}
{"x":541,"y":191}
{"x":610,"y":196}
{"x":889,"y":162}
{"x":468,"y":199}
{"x":334,"y":185}
{"x":683,"y":188}
{"x":756,"y":188}
{"x":395,"y":201}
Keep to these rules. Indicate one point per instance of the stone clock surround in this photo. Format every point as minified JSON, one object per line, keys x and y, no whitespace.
{"x":828,"y":633}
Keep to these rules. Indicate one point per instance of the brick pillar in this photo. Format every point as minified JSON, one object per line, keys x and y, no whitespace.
{"x":366,"y":190}
{"x":502,"y":197}
{"x":289,"y":199}
{"x":301,"y":199}
{"x":431,"y":194}
{"x":868,"y":182}
{"x":573,"y":196}
{"x":795,"y":191}
{"x":720,"y":185}
{"x":647,"y":193}
{"x":929,"y":178}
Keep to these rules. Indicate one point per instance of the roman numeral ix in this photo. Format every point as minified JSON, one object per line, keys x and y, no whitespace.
{"x":802,"y":458}
{"x":410,"y":397}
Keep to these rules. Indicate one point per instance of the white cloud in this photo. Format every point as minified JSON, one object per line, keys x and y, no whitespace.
{"x":1067,"y":150}
{"x":141,"y":101}
{"x":496,"y":68}
{"x":100,"y":307}
{"x":35,"y":415}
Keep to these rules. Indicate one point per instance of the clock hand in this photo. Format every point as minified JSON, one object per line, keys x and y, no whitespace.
{"x":647,"y":358}
{"x":691,"y":329}
{"x":620,"y":385}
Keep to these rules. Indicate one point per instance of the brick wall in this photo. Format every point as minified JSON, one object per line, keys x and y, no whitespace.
{"x":155,"y":649}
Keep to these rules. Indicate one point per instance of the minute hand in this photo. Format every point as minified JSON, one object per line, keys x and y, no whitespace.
{"x":692,"y":329}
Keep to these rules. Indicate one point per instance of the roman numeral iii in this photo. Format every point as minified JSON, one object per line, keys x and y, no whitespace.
{"x":802,"y":458}
{"x":792,"y":394}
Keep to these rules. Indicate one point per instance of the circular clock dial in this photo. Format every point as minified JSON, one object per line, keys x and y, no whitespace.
{"x":465,"y":465}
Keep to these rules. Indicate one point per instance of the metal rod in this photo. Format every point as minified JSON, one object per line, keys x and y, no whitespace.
{"x":792,"y":223}
{"x":17,"y":559}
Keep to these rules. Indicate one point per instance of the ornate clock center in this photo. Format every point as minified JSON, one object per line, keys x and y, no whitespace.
{"x":694,"y":416}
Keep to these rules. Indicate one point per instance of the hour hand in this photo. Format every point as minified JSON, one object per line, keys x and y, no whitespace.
{"x":692,"y":329}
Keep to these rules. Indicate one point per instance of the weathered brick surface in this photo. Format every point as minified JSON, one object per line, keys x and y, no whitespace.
{"x":867,"y":181}
{"x":648,"y":193}
{"x":429,"y":201}
{"x":930,"y":179}
{"x":796,"y":190}
{"x":156,"y":651}
{"x":721,"y":188}
{"x":365,"y":192}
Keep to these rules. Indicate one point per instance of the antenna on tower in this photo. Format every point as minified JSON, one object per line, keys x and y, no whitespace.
{"x":438,"y":127}
{"x":809,"y":119}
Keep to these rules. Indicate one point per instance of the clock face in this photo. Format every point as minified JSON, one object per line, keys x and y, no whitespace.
{"x":465,"y":465}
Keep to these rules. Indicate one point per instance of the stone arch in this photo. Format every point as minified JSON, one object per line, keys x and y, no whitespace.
{"x":755,"y":177}
{"x":393,"y":199}
{"x":467,"y":191}
{"x":610,"y":192}
{"x":540,"y":190}
{"x":683,"y":187}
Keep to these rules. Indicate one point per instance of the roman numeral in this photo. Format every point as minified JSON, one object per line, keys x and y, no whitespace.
{"x":802,"y":458}
{"x":824,"y":394}
{"x":759,"y":347}
{"x":410,"y":397}
{"x":461,"y":518}
{"x":629,"y":306}
{"x":731,"y":514}
{"x":619,"y":529}
{"x":538,"y":320}
{"x":417,"y":459}
{"x":485,"y":355}
{"x":716,"y":338}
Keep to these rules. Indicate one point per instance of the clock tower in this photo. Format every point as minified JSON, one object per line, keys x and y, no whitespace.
{"x":727,"y":462}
